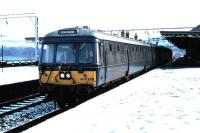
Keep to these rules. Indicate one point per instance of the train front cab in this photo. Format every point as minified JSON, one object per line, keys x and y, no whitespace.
{"x":69,"y":67}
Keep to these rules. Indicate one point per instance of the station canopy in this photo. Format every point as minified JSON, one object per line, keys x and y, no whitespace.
{"x":188,"y":40}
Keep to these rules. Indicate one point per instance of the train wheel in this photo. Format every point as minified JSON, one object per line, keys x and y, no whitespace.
{"x":73,"y":102}
{"x":49,"y":96}
{"x":61,"y":103}
{"x":84,"y":91}
{"x":70,"y":102}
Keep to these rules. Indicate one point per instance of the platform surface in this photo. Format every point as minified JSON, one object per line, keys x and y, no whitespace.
{"x":160,"y":101}
{"x":11,"y":75}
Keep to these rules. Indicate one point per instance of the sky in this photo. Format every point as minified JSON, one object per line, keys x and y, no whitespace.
{"x":106,"y":14}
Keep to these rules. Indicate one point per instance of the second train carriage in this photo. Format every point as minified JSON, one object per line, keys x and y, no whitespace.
{"x":77,"y":61}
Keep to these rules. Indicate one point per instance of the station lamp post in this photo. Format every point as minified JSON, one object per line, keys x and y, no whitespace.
{"x":2,"y":54}
{"x":2,"y":63}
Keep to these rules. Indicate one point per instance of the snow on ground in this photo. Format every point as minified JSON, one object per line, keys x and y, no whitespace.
{"x":11,"y":75}
{"x":161,"y":101}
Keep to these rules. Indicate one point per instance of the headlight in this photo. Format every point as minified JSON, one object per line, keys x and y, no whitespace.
{"x":62,"y":75}
{"x":65,"y":75}
{"x":68,"y":75}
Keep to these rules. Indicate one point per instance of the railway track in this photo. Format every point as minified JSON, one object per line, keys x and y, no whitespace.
{"x":19,"y":104}
{"x":23,"y":113}
{"x":18,"y":115}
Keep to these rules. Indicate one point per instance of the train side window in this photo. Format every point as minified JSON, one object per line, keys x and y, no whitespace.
{"x":118,"y":48}
{"x":123,"y":54}
{"x":114,"y":54}
{"x":110,"y":47}
{"x":110,"y":56}
{"x":101,"y":48}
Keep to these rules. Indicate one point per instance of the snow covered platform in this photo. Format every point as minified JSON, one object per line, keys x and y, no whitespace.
{"x":11,"y":75}
{"x":160,"y":101}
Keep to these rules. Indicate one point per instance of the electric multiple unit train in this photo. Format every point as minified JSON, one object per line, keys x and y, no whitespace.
{"x":77,"y":61}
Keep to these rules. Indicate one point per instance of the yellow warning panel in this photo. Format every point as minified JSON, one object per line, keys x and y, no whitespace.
{"x":53,"y":77}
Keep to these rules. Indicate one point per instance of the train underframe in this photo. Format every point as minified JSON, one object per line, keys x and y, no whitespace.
{"x":71,"y":95}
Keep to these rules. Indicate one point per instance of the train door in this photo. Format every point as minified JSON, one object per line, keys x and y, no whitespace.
{"x":128,"y":60}
{"x":102,"y":71}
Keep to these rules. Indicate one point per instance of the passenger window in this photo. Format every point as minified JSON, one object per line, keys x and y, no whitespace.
{"x":110,"y":47}
{"x":118,"y":48}
{"x":101,"y":46}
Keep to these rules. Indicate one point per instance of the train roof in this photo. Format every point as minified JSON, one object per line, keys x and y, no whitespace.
{"x":80,"y":31}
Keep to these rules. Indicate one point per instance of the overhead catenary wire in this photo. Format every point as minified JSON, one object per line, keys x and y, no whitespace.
{"x":20,"y":15}
{"x":145,"y":29}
